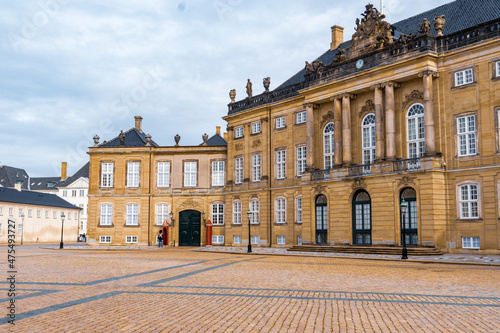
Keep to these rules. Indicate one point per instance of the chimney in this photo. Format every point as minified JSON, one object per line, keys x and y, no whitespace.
{"x":225,"y":136}
{"x":138,"y":123}
{"x":18,"y":186}
{"x":217,"y":130}
{"x":337,"y":37}
{"x":64,"y":170}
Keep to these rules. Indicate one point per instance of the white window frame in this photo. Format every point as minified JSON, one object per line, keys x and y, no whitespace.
{"x":254,"y":209}
{"x":497,"y":68}
{"x":280,"y":240}
{"x":301,"y":117}
{"x":328,"y":145}
{"x":73,"y":193}
{"x":131,"y":239}
{"x":238,"y":132}
{"x":281,"y":164}
{"x":237,"y":239}
{"x":238,"y":170}
{"x":466,"y":136}
{"x":237,"y":212}
{"x":299,"y":240}
{"x":217,"y":239}
{"x":464,"y":77}
{"x":46,"y":214}
{"x":107,"y":173}
{"x":190,"y":173}
{"x":163,"y":174}
{"x":301,"y":160}
{"x":104,"y":239}
{"x":1,"y":230}
{"x":38,"y":213}
{"x":471,"y":242}
{"x":280,"y":210}
{"x":256,"y":167}
{"x":218,"y":173}
{"x":298,"y":209}
{"x":65,"y":193}
{"x":11,"y":212}
{"x":133,"y":170}
{"x":1,"y":210}
{"x":106,"y":214}
{"x":217,"y":213}
{"x":368,"y":138}
{"x":256,"y":128}
{"x":280,"y":122}
{"x":54,"y":214}
{"x":82,"y":193}
{"x":468,"y":195}
{"x":162,"y":213}
{"x":255,"y":240}
{"x":415,"y":131}
{"x":132,"y":214}
{"x":30,"y":212}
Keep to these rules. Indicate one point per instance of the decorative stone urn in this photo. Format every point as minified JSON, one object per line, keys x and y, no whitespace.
{"x":232,"y":95}
{"x":439,"y":22}
{"x":177,"y":138}
{"x":96,"y":140}
{"x":267,"y":83}
{"x":205,"y":139}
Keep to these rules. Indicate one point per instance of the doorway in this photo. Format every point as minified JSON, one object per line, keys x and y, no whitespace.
{"x":189,"y":228}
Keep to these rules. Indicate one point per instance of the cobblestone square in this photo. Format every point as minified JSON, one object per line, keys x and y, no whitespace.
{"x":183,"y":290}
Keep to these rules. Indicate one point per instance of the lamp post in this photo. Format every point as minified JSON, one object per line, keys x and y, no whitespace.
{"x":203,"y":217}
{"x":22,"y":227}
{"x":61,"y":245}
{"x":249,"y":213}
{"x":404,"y":204}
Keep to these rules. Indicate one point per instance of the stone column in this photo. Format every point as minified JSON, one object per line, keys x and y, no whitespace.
{"x":337,"y":135}
{"x":379,"y":124}
{"x":430,"y":140}
{"x":390,"y":121}
{"x":310,"y":136}
{"x":346,"y":128}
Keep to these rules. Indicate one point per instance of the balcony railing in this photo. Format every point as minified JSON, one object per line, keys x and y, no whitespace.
{"x":320,"y":175}
{"x":360,"y":170}
{"x":410,"y":164}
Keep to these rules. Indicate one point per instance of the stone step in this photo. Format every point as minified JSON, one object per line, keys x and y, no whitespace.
{"x":396,"y":250}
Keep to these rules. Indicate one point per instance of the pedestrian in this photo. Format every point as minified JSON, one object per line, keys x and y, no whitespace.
{"x":160,"y":239}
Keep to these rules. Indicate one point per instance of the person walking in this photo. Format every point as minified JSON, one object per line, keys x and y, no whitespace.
{"x":160,"y":239}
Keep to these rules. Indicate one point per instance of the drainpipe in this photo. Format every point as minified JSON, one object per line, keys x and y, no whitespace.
{"x":271,"y":209}
{"x":149,"y":200}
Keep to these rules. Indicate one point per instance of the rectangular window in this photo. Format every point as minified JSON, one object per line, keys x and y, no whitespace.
{"x":131,"y":239}
{"x":218,"y":173}
{"x":11,"y":212}
{"x":280,"y":210}
{"x":38,"y":213}
{"x":469,"y":201}
{"x":0,"y":229}
{"x":301,"y":160}
{"x":162,"y":213}
{"x":65,"y":193}
{"x":464,"y":77}
{"x":236,"y":212}
{"x":237,"y":239}
{"x":76,"y":216}
{"x":30,"y":213}
{"x":281,"y":240}
{"x":106,"y":214}
{"x":255,"y":240}
{"x":105,"y":239}
{"x":133,"y":174}
{"x":132,"y":214}
{"x":281,"y":164}
{"x":298,"y":209}
{"x":54,"y":214}
{"x":46,"y":214}
{"x":255,"y":128}
{"x":254,"y":209}
{"x":107,"y":175}
{"x":19,"y":229}
{"x":238,"y":132}
{"x":1,"y":210}
{"x":301,"y":117}
{"x":218,"y":214}
{"x":82,"y":193}
{"x":280,"y":122}
{"x":73,"y":193}
{"x":497,"y":67}
{"x":470,"y":242}
{"x":256,"y":167}
{"x":217,"y":239}
{"x":21,"y":212}
{"x":466,"y":135}
{"x":163,"y":174}
{"x":69,"y":216}
{"x":238,"y":170}
{"x":190,"y":173}
{"x":299,"y":240}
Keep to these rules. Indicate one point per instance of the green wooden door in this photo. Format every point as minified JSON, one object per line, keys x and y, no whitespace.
{"x":189,"y":228}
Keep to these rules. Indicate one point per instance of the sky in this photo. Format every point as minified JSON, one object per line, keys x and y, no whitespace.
{"x":72,"y":69}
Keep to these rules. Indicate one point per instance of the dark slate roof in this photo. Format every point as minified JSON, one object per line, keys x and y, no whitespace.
{"x":459,"y":15}
{"x":216,"y":140}
{"x":42,"y":183}
{"x":133,"y":138}
{"x":9,"y":176}
{"x":33,"y":198}
{"x":83,"y":172}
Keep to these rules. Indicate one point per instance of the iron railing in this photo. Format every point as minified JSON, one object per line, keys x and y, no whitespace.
{"x":410,"y":164}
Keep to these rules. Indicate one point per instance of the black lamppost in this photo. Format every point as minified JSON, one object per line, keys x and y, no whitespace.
{"x":249,"y":213}
{"x":403,"y":206}
{"x":172,"y":219}
{"x":203,"y":217}
{"x":61,"y":245}
{"x":22,"y":227}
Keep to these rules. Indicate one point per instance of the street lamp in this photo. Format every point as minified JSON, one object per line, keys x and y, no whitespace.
{"x":172,"y":219}
{"x":61,"y":245}
{"x":203,"y":217}
{"x":249,"y":213}
{"x":22,"y":227}
{"x":404,"y":205}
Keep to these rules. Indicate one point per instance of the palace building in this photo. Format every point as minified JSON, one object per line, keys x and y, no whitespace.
{"x":407,"y":112}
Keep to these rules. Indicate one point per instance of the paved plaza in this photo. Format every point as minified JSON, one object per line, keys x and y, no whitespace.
{"x":187,"y":290}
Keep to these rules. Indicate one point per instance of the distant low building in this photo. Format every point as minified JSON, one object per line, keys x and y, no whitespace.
{"x":10,"y":176}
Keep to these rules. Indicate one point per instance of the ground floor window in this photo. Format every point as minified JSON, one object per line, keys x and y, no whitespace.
{"x":281,"y":240}
{"x":255,"y":239}
{"x":218,"y":239}
{"x":105,"y":239}
{"x":131,"y":239}
{"x":237,"y":240}
{"x":470,"y":242}
{"x":299,"y":240}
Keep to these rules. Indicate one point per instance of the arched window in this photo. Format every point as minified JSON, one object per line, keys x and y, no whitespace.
{"x":328,"y":145}
{"x":362,"y":218}
{"x":415,"y":130}
{"x":368,"y":131}
{"x":409,"y":216}
{"x":321,"y":219}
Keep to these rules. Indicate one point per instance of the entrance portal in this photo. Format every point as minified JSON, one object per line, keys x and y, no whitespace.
{"x":189,"y":228}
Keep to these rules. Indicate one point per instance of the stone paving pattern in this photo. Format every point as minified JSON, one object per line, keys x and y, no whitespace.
{"x":192,"y":290}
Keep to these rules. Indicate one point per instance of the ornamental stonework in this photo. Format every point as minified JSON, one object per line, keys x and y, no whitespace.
{"x":328,"y":117}
{"x":414,"y":96}
{"x":190,"y":203}
{"x":256,"y":143}
{"x":238,"y":147}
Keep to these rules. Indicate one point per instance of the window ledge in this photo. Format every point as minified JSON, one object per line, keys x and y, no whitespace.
{"x":298,"y":223}
{"x":255,"y":133}
{"x":298,"y":124}
{"x":254,"y":223}
{"x":218,"y":225}
{"x":105,"y":225}
{"x":475,"y":220}
{"x":236,"y":224}
{"x":467,"y":156}
{"x":280,"y":223}
{"x":280,"y":128}
{"x":464,"y":85}
{"x":132,"y":225}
